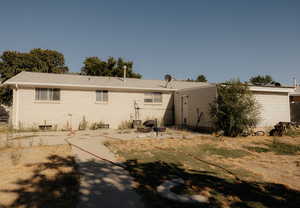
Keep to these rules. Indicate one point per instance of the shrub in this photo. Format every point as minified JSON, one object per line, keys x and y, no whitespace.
{"x":235,"y":109}
{"x":97,"y":125}
{"x":125,"y":125}
{"x":83,"y":124}
{"x":292,"y":132}
{"x":15,"y":156}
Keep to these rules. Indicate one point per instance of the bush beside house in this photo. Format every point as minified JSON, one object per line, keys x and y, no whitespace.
{"x":235,"y":109}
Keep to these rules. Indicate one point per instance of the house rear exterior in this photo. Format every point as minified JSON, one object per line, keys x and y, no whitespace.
{"x":64,"y":100}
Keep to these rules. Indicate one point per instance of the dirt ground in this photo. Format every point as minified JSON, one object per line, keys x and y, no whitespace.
{"x":267,"y":166}
{"x":37,"y":177}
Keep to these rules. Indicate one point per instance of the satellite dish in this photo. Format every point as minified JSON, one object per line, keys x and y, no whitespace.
{"x":168,"y":78}
{"x":277,"y":84}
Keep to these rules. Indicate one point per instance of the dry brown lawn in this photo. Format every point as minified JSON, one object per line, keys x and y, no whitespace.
{"x":268,"y":168}
{"x":43,"y":176}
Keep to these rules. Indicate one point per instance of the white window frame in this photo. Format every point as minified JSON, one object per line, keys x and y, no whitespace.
{"x":48,"y":96}
{"x":103,"y":98}
{"x":149,"y":98}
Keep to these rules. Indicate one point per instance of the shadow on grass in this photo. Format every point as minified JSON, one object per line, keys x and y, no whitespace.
{"x":223,"y":192}
{"x":102,"y":184}
{"x":40,"y":190}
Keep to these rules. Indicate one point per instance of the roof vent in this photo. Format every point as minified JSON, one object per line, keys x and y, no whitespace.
{"x":124,"y":73}
{"x":168,"y":79}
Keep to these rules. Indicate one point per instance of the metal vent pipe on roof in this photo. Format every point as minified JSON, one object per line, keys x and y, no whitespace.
{"x":124,"y":75}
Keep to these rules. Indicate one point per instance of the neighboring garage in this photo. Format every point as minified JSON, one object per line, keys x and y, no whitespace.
{"x":295,"y":105}
{"x":274,"y":103}
{"x":192,"y":105}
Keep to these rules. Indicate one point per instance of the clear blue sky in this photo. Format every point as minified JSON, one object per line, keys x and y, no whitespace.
{"x":220,"y":39}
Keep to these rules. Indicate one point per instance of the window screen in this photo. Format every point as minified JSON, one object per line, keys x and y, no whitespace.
{"x":153,"y":97}
{"x":47,"y":94}
{"x":102,"y":96}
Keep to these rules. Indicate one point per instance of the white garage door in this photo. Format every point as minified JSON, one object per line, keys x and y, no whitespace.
{"x":275,"y":107}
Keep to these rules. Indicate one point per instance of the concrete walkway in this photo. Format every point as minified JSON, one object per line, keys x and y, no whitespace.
{"x":103,"y":184}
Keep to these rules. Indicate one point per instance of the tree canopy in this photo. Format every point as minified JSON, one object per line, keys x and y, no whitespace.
{"x":261,"y":80}
{"x":94,"y":66}
{"x":36,"y":60}
{"x":200,"y":78}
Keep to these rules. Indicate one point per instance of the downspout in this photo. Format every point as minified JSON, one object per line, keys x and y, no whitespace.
{"x":17,"y":107}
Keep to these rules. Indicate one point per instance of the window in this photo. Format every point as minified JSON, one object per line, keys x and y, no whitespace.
{"x":153,"y":97}
{"x":101,"y":96}
{"x":47,"y":94}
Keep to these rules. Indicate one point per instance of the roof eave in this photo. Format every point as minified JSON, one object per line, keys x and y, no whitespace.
{"x":272,"y":89}
{"x":7,"y":83}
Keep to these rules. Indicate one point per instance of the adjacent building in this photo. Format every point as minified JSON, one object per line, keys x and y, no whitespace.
{"x":295,"y":105}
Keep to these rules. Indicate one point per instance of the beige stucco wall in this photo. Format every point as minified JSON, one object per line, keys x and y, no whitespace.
{"x":274,"y":107}
{"x":75,"y":104}
{"x":197,"y":98}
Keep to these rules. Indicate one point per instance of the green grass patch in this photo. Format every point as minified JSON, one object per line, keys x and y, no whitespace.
{"x":257,"y":149}
{"x":292,"y":132}
{"x":281,"y":148}
{"x":277,"y":147}
{"x":221,"y":151}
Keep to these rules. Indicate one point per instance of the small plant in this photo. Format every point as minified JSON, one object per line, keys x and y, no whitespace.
{"x":31,"y":142}
{"x":83,"y":124}
{"x":55,"y":127}
{"x":125,"y":125}
{"x":15,"y":156}
{"x":41,"y":143}
{"x":97,"y":125}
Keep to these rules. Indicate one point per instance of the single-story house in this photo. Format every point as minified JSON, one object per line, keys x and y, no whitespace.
{"x":64,"y":100}
{"x":295,"y":104}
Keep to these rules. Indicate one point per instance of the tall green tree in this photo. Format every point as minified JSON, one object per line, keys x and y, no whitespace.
{"x":36,"y":60}
{"x":94,"y":66}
